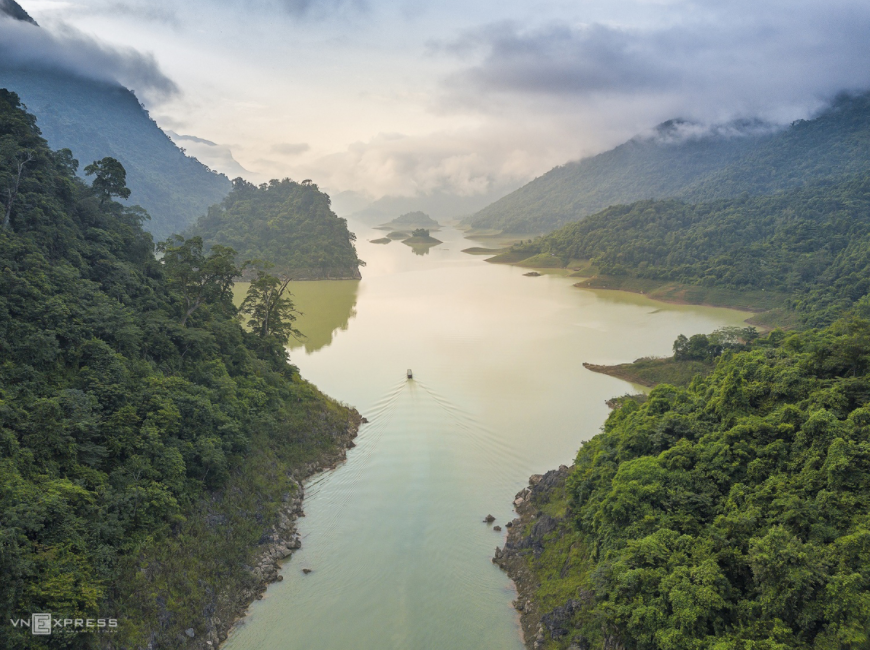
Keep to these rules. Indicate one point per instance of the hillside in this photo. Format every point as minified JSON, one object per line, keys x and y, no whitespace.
{"x":409,"y":221}
{"x":147,"y":449}
{"x":97,"y":119}
{"x":674,"y":163}
{"x":728,"y":514}
{"x":810,"y":243}
{"x":286,"y":223}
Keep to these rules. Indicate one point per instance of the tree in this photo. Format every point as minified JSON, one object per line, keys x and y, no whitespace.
{"x":198,"y":277}
{"x":271,"y":312}
{"x":110,"y":180}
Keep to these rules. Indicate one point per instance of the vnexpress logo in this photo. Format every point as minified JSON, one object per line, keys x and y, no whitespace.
{"x":43,"y":624}
{"x":40,"y":623}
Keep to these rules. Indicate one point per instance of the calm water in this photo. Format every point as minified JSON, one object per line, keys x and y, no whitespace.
{"x":394,"y":537}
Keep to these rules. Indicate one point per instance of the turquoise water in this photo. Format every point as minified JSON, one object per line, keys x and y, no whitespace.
{"x":399,"y":555}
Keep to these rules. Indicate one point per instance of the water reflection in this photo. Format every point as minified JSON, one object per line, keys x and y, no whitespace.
{"x":327,"y":306}
{"x":420,"y":249}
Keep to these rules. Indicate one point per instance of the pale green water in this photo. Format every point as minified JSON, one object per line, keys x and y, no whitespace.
{"x":400,"y":557}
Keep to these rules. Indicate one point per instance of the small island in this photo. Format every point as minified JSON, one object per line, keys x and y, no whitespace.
{"x":421,"y":237}
{"x":411,"y":220}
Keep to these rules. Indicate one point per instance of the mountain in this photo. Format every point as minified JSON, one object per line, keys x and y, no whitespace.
{"x":16,"y":11}
{"x":96,"y":119}
{"x":439,"y":204}
{"x":286,"y":223}
{"x":144,"y":455}
{"x":411,"y":220}
{"x":810,"y":243}
{"x":678,"y":161}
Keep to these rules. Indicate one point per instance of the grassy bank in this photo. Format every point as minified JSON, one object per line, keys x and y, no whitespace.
{"x":650,"y":371}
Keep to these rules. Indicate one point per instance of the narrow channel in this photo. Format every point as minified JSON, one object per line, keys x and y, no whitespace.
{"x":394,"y":538}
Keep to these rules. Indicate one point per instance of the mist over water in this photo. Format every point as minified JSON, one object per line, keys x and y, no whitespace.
{"x":399,"y":555}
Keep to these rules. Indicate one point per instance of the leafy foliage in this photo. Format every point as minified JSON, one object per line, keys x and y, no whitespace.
{"x":287,"y":223}
{"x":121,"y":408}
{"x":676,"y":163}
{"x":96,"y":119}
{"x":734,"y":513}
{"x":811,"y":242}
{"x":110,"y":178}
{"x":272,"y":312}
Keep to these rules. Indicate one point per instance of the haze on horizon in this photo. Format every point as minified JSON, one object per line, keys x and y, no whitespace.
{"x":401,"y":97}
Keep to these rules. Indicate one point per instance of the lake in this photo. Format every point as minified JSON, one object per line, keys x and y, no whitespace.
{"x":394,"y":537}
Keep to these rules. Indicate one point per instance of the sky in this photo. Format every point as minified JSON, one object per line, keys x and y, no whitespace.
{"x":471,"y":97}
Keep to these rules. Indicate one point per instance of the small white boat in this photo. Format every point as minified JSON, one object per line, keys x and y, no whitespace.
{"x":410,"y":374}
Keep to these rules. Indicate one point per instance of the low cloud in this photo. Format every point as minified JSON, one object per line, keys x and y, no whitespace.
{"x":771,"y":60}
{"x":470,"y":162}
{"x":26,"y":46}
{"x":290,"y":148}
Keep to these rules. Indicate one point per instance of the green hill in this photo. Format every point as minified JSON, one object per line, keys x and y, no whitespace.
{"x":97,"y":119}
{"x":811,"y":243}
{"x":143,"y":455}
{"x":286,"y":223}
{"x":729,"y":160}
{"x":729,"y":514}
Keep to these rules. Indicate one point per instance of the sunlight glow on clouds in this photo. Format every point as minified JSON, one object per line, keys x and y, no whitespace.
{"x":406,"y":97}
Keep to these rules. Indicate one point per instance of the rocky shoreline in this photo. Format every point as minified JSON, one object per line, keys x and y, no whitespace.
{"x":525,"y":538}
{"x":276,"y":545}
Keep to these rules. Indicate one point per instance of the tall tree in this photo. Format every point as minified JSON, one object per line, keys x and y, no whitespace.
{"x":271,"y":311}
{"x":110,"y":178}
{"x":198,"y":277}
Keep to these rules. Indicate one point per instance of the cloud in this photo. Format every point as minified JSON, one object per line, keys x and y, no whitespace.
{"x":291,"y":148}
{"x":216,"y":156}
{"x":717,"y":61}
{"x":23,"y":45}
{"x":463,"y":162}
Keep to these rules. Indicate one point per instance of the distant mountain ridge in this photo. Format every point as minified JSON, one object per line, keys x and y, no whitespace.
{"x":15,"y":10}
{"x":96,"y":119}
{"x":676,"y":163}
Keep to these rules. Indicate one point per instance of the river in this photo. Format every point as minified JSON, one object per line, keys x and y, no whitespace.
{"x":394,"y":538}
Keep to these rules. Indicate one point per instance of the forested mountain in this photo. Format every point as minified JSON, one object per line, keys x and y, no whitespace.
{"x":96,"y":119}
{"x":725,"y":162}
{"x":145,"y":436}
{"x":729,"y":514}
{"x":286,"y":223}
{"x":811,"y":242}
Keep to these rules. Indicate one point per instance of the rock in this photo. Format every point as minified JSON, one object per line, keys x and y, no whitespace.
{"x":534,"y":479}
{"x":307,"y":571}
{"x":364,"y":421}
{"x":519,"y":501}
{"x":489,"y":519}
{"x":558,"y":621}
{"x":350,"y":444}
{"x":509,"y":524}
{"x":189,"y":632}
{"x":497,"y":529}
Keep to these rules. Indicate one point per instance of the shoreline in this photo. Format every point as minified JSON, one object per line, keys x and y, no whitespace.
{"x":278,"y":542}
{"x":755,"y":311}
{"x":524,"y":540}
{"x":619,"y":373}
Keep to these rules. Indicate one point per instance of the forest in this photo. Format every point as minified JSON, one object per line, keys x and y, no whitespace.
{"x":732,"y":513}
{"x":285,"y":223}
{"x":684,"y":161}
{"x":811,"y":243}
{"x":135,"y":409}
{"x":96,"y":119}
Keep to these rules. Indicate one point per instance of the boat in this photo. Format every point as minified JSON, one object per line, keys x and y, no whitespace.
{"x":410,"y":374}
